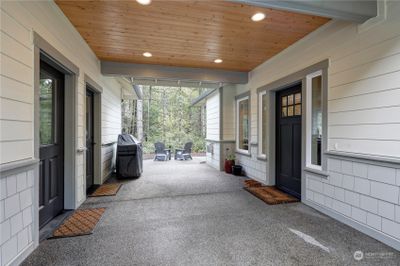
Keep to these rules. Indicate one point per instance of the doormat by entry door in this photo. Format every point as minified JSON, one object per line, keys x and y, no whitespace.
{"x":81,"y":222}
{"x":270,"y":194}
{"x":252,"y":183}
{"x":110,"y":189}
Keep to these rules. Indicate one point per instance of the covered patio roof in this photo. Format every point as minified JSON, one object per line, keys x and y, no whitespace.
{"x":187,"y":33}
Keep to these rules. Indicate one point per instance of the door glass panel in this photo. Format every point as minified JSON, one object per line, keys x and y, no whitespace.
{"x":284,"y":101}
{"x":290,"y":99}
{"x":284,"y":111}
{"x":264,"y":124}
{"x":290,"y":111}
{"x":297,"y":98}
{"x":244,"y":125}
{"x":297,"y":109}
{"x":316,"y":120}
{"x":46,"y":111}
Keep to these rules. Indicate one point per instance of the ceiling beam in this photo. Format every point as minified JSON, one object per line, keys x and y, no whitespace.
{"x":169,"y":72}
{"x":354,"y":10}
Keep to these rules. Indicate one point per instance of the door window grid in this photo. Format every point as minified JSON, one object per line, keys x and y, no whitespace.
{"x":291,"y":105}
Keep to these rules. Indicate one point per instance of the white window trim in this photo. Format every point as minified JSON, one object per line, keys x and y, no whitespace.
{"x":237,"y":125}
{"x":309,"y":117}
{"x":260,"y":128}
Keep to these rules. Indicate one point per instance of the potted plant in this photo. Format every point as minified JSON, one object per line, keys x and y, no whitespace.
{"x":237,"y":170}
{"x":229,"y":162}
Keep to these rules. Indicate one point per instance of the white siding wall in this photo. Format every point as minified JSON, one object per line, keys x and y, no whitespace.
{"x":213,"y":117}
{"x":16,"y":91}
{"x":363,"y":117}
{"x":18,"y":21}
{"x":213,"y":129}
{"x":108,"y":160}
{"x":228,"y":111}
{"x":110,"y":125}
{"x":111,"y":111}
{"x":364,"y":82}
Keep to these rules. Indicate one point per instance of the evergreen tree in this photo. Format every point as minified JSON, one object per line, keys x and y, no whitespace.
{"x":168,"y":117}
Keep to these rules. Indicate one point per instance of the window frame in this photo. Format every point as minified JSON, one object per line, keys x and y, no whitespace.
{"x":238,"y":100}
{"x":260,"y":127}
{"x":308,"y":106}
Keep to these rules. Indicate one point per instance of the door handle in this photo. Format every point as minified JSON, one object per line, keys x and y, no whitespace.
{"x":81,"y":149}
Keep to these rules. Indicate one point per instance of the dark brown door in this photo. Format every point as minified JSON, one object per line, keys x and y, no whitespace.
{"x":89,"y":140}
{"x":288,"y":140}
{"x":51,"y":151}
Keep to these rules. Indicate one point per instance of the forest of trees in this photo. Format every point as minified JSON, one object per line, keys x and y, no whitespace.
{"x":167,"y":117}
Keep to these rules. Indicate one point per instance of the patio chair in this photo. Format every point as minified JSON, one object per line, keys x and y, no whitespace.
{"x":161,"y":153}
{"x":185,"y":153}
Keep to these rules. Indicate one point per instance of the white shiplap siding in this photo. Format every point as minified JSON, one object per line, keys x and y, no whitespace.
{"x":213,"y":117}
{"x":228,"y":111}
{"x":365,"y":86}
{"x":111,"y":111}
{"x":16,"y":92}
{"x":363,"y":80}
{"x":213,"y":129}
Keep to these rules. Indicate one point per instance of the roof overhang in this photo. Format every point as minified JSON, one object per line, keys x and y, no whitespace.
{"x":203,"y":97}
{"x":129,"y":90}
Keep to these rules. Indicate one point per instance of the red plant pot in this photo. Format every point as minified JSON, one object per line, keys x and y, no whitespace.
{"x":228,"y":166}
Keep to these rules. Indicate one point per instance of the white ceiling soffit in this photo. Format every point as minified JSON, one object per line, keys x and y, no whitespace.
{"x":353,"y":10}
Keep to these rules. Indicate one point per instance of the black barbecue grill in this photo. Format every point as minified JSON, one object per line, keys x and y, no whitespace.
{"x":129,"y":157}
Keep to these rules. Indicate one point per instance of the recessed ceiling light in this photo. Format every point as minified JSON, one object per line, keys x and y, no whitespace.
{"x":218,"y":61}
{"x":144,"y":2}
{"x":258,"y":16}
{"x":147,"y":54}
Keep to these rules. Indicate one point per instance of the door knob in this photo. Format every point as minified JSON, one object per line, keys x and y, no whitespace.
{"x":81,"y":149}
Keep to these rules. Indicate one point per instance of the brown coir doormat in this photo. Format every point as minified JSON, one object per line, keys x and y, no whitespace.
{"x":81,"y":222}
{"x":106,"y":190}
{"x":271,"y":195}
{"x":252,"y":183}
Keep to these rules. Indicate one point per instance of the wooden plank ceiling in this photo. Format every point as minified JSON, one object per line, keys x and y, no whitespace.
{"x":186,"y":33}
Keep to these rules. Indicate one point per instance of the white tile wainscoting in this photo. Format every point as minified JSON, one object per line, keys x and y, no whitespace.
{"x":252,"y":166}
{"x":364,"y":192}
{"x":213,"y":155}
{"x":16,"y":214}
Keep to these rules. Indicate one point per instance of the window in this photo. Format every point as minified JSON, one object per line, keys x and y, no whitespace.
{"x":291,"y":105}
{"x":314,"y":120}
{"x":262,"y":124}
{"x":242,"y":122}
{"x":46,"y":110}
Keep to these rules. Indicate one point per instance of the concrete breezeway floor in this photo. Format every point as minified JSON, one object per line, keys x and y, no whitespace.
{"x":186,"y":213}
